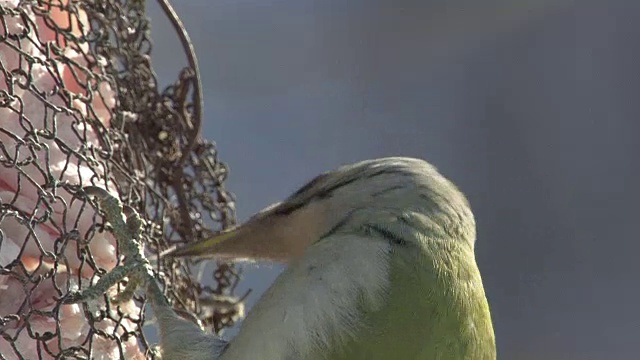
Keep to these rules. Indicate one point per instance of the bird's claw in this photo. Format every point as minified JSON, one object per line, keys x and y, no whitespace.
{"x":135,"y":265}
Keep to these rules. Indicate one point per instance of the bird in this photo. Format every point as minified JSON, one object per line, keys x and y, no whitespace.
{"x":380,"y":265}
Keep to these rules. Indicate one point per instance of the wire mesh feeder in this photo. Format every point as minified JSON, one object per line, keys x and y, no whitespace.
{"x":79,"y":106}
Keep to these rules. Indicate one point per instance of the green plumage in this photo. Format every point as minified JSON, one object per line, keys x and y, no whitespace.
{"x":382,"y":268}
{"x":436,"y":309}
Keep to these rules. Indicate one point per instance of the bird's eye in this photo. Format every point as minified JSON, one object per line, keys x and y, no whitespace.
{"x":387,"y":234}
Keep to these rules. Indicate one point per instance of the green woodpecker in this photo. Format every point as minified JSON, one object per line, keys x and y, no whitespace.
{"x":381,"y":266}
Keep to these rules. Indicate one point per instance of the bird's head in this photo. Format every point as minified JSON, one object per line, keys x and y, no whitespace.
{"x":381,"y":197}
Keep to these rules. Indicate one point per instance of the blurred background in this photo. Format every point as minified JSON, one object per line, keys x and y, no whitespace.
{"x":531,"y":107}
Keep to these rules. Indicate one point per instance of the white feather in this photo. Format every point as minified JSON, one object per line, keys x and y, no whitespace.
{"x":314,"y":304}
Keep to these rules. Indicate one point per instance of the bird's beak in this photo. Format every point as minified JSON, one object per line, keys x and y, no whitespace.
{"x":207,"y":247}
{"x":268,"y":236}
{"x":242,"y":242}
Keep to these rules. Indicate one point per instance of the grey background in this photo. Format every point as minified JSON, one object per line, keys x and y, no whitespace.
{"x":531,"y":107}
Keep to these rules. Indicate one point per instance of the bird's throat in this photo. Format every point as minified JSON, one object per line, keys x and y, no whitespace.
{"x":313,"y":306}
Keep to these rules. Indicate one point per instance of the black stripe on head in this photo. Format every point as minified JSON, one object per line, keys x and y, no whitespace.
{"x":310,"y":186}
{"x":386,"y":234}
{"x":321,"y":187}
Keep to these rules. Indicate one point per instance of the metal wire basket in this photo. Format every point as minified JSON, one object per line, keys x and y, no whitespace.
{"x":80,"y":105}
